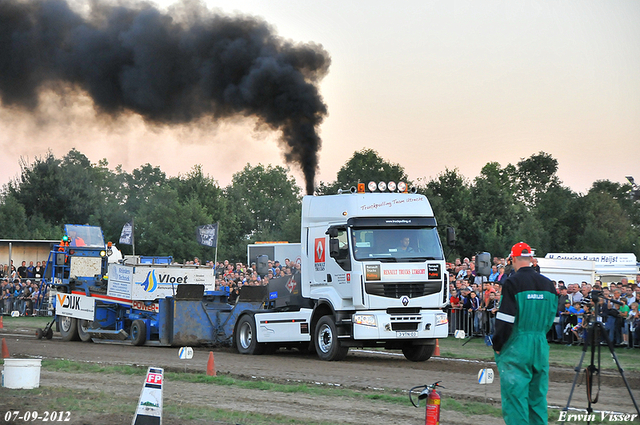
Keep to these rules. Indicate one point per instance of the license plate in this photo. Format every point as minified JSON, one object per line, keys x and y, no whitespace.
{"x":406,"y":334}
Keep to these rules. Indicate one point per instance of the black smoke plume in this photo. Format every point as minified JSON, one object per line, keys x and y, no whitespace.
{"x":168,"y":67}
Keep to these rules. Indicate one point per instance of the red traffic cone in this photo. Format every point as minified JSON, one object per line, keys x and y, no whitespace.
{"x":5,"y":349}
{"x":1,"y":325}
{"x":211,"y":365}
{"x":436,"y":352}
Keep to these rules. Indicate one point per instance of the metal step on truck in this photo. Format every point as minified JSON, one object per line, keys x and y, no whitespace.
{"x":372,"y":275}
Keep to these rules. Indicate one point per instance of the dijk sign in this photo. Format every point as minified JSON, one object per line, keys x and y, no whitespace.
{"x":74,"y":305}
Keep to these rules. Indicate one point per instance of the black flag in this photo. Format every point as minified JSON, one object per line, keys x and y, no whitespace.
{"x":126,"y":236}
{"x":207,"y":235}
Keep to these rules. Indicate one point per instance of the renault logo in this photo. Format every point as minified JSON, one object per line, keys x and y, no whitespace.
{"x":404,"y":300}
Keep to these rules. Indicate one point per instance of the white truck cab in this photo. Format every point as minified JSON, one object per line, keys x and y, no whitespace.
{"x":372,"y":275}
{"x":375,"y":259}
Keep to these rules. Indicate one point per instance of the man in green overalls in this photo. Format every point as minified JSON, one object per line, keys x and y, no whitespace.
{"x":527,"y":309}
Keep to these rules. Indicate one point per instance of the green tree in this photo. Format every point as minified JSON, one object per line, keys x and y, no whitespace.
{"x":140,"y":186}
{"x":556,"y":221}
{"x":36,"y":188}
{"x":622,"y":194}
{"x":606,"y":227}
{"x":110,"y":212}
{"x":166,"y":226}
{"x":364,"y":166}
{"x":494,"y":209}
{"x":13,"y":218}
{"x":450,"y":195}
{"x":265,"y":202}
{"x":535,"y":175}
{"x":195,"y":185}
{"x":59,"y":191}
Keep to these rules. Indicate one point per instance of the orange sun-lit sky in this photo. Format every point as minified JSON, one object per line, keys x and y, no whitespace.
{"x":428,"y":84}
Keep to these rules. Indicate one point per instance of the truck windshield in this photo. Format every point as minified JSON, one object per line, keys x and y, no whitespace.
{"x":407,"y":244}
{"x":84,"y":236}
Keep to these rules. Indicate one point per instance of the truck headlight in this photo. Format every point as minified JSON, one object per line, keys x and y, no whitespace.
{"x":441,"y":319}
{"x":365,"y":319}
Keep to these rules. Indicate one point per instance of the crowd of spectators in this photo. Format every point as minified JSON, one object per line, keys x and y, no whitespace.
{"x":615,"y":305}
{"x":20,"y":288}
{"x":474,"y":301}
{"x":231,"y":277}
{"x":23,"y":272}
{"x":20,"y":296}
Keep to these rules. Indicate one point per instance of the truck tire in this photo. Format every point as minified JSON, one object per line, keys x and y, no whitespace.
{"x":83,"y":326}
{"x":246,"y":337}
{"x":418,"y":353}
{"x":326,"y":340}
{"x":138,"y":332}
{"x":68,"y":328}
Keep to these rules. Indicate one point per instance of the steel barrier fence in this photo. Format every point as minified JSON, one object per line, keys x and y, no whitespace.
{"x":471,"y":322}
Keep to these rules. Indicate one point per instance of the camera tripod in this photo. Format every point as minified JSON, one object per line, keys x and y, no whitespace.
{"x":595,"y":330}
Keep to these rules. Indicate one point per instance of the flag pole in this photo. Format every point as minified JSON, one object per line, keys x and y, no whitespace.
{"x":215,"y":261}
{"x":133,"y":239}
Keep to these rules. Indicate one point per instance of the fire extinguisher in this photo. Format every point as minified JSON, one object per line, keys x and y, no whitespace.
{"x":432,"y":414}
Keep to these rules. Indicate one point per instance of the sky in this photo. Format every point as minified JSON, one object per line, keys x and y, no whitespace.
{"x":430,"y":85}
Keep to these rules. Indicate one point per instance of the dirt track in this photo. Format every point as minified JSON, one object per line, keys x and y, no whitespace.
{"x":360,"y":370}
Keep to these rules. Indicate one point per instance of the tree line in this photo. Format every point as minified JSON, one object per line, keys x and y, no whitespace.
{"x":502,"y":205}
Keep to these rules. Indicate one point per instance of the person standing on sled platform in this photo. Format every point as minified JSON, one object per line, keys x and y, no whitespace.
{"x":527,"y":309}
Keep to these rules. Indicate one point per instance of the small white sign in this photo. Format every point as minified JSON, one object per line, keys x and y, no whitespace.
{"x":185,"y":353}
{"x":15,"y":313}
{"x":75,"y":305}
{"x":459,"y":334}
{"x":149,"y":410}
{"x":485,"y":376}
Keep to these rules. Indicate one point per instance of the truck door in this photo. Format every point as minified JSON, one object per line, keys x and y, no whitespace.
{"x":338,"y":265}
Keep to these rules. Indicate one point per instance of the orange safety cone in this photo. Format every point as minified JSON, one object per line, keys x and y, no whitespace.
{"x":1,"y":325}
{"x":211,"y":365}
{"x":5,"y":349}
{"x":436,"y":352}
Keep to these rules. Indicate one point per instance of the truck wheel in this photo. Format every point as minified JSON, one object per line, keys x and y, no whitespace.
{"x":418,"y":353}
{"x":326,"y":340}
{"x":83,"y":326}
{"x":138,"y":332}
{"x":68,"y":328}
{"x":246,"y":337}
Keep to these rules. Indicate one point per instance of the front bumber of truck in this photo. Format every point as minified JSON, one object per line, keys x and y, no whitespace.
{"x":414,"y":331}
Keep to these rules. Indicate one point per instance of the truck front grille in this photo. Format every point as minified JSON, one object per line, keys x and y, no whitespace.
{"x":404,"y":326}
{"x":405,"y":322}
{"x":397,"y":290}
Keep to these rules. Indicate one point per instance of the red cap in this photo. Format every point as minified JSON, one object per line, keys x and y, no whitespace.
{"x":521,"y":249}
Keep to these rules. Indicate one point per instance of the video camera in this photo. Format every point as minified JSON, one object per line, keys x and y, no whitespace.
{"x":595,"y":295}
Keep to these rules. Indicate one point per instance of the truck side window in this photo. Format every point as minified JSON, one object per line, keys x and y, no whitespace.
{"x":341,"y":255}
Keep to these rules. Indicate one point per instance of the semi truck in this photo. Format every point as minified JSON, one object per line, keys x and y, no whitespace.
{"x":372,"y":275}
